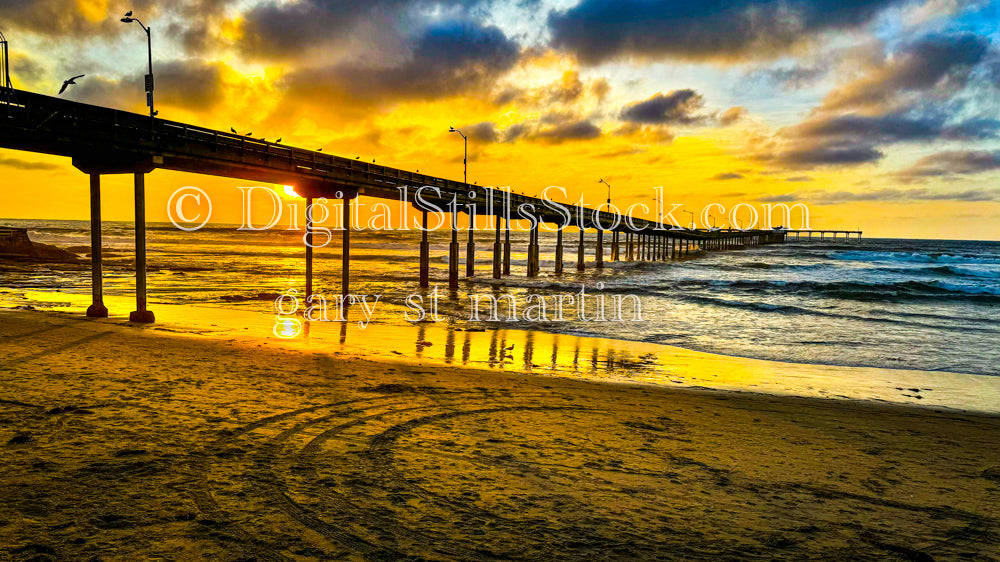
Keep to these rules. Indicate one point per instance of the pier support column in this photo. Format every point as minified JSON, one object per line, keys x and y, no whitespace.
{"x":97,"y":308}
{"x":614,"y":247}
{"x":453,"y":253}
{"x":559,"y":251}
{"x":345,"y":253}
{"x":470,"y":248}
{"x":309,"y":252}
{"x":533,"y":251}
{"x":599,"y":250}
{"x":497,"y":250}
{"x":425,"y":255}
{"x":580,"y":264}
{"x":628,"y":246}
{"x":140,"y":314}
{"x":506,"y":247}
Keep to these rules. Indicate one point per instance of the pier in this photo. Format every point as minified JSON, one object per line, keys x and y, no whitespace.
{"x":103,"y":141}
{"x":822,"y":235}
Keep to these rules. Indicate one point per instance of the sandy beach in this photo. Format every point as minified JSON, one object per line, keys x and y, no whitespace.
{"x":122,"y":443}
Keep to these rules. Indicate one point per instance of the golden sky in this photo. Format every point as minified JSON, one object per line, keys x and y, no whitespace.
{"x":877,"y":114}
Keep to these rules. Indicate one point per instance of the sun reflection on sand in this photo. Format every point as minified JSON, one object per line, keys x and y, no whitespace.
{"x":548,"y":354}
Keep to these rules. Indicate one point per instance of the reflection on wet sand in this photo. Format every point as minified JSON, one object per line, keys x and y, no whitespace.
{"x":500,"y":348}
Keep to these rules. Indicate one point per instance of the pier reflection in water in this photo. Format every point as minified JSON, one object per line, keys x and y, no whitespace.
{"x":501,"y":348}
{"x":565,"y":355}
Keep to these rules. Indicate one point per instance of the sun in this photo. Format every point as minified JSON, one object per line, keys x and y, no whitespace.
{"x":290,"y":191}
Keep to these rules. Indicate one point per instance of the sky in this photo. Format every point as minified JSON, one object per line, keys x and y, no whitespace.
{"x":877,"y":114}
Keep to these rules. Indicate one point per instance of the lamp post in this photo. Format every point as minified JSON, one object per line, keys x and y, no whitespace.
{"x":465,"y":160}
{"x":692,"y":218}
{"x":127,"y":18}
{"x":4,"y":64}
{"x":609,"y":190}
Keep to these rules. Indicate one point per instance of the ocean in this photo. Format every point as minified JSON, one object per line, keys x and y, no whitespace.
{"x":929,"y":305}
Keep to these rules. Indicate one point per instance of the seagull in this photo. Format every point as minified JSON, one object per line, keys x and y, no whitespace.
{"x":250,"y":134}
{"x":373,"y":160}
{"x":128,"y":14}
{"x":70,"y":82}
{"x":320,"y":149}
{"x":278,"y":141}
{"x":357,"y":158}
{"x":233,"y":130}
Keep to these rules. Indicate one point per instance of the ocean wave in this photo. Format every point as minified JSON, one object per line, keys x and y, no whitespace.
{"x":990,"y":272}
{"x":911,"y":257}
{"x":852,"y":290}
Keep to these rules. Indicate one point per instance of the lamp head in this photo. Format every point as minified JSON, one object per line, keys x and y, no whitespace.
{"x":127,"y":19}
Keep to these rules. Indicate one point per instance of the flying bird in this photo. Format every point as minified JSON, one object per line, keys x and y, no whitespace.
{"x":70,"y":82}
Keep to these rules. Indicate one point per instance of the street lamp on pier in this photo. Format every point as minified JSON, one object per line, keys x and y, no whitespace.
{"x":128,"y":18}
{"x":609,"y":190}
{"x":465,"y":160}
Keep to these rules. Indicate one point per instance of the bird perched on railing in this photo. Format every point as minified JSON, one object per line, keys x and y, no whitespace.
{"x":70,"y":82}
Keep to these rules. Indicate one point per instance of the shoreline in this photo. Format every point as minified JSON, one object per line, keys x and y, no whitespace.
{"x":544,"y":353}
{"x":205,"y":448}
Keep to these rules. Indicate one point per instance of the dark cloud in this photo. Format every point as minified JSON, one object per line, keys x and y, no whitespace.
{"x":858,"y":139}
{"x":577,"y":130}
{"x":188,"y":84}
{"x":78,"y":19}
{"x":826,"y":154}
{"x":485,"y":132}
{"x":916,"y":94}
{"x":888,"y":195}
{"x":556,"y":129}
{"x":727,"y":176}
{"x":19,"y":164}
{"x":938,"y":64}
{"x":678,"y":107}
{"x":895,"y":127}
{"x":449,"y":58}
{"x":952,"y":163}
{"x":798,"y":179}
{"x":599,"y":30}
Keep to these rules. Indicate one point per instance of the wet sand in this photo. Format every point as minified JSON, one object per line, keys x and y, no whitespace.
{"x":124,"y":443}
